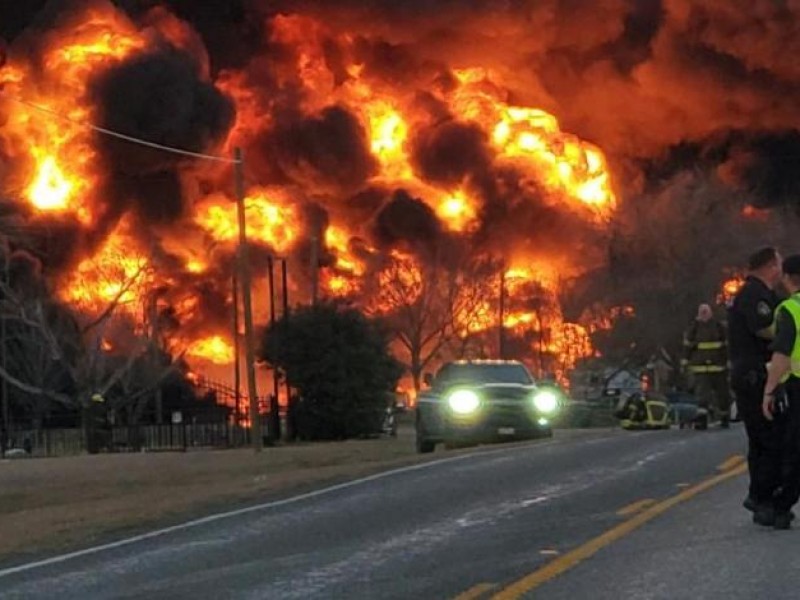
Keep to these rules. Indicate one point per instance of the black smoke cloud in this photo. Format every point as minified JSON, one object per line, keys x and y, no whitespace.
{"x":230,"y":28}
{"x":766,"y":167}
{"x":449,"y":151}
{"x":57,"y":242}
{"x":17,"y":16}
{"x":759,"y":168}
{"x":406,"y":220}
{"x":159,"y":97}
{"x":326,"y":152}
{"x":363,"y":206}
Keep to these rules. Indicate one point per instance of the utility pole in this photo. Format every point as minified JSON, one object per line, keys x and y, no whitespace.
{"x":502,"y":315}
{"x":6,"y":430}
{"x":237,"y":375}
{"x":315,"y":234}
{"x":291,"y":429}
{"x":155,"y":355}
{"x":247,"y":301}
{"x":274,"y":406}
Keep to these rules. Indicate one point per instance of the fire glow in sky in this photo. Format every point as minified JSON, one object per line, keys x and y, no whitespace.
{"x":399,"y":143}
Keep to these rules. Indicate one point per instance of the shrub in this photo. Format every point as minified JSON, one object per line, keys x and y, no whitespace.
{"x":339,"y":362}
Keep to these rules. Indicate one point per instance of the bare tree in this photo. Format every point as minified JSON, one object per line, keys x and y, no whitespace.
{"x":430,"y":306}
{"x":62,"y":357}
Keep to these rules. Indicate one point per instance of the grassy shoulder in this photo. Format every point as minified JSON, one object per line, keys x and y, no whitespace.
{"x":50,"y":505}
{"x":58,"y":503}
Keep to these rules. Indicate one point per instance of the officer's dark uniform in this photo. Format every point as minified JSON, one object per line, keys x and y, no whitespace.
{"x":751,"y":311}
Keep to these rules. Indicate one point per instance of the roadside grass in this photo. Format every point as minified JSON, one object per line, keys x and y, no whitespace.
{"x":54,"y":504}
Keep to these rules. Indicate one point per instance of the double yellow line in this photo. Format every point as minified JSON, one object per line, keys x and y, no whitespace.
{"x":642,"y":511}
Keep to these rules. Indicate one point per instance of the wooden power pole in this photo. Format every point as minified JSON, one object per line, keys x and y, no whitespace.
{"x":274,"y":405}
{"x":502,"y":316}
{"x":237,"y":363}
{"x":315,"y":242}
{"x":243,"y":255}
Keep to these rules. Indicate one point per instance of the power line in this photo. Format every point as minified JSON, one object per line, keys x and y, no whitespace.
{"x":117,"y":134}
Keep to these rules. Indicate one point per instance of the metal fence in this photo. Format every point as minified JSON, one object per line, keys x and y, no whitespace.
{"x":185,"y":436}
{"x":48,"y":442}
{"x":142,"y":438}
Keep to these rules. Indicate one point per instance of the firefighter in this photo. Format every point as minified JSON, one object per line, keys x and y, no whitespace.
{"x":706,"y":358}
{"x":643,"y":410}
{"x":750,"y":331}
{"x":783,"y":371}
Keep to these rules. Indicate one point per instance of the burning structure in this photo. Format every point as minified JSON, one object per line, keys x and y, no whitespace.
{"x":589,"y":151}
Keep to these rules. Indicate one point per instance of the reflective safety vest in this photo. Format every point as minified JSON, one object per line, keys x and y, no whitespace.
{"x":792,"y":306}
{"x":706,"y":347}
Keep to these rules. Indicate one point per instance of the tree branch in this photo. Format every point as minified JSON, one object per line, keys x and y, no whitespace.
{"x":30,"y":389}
{"x":112,"y":306}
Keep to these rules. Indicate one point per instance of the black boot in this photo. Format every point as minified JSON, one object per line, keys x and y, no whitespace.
{"x":764,"y":516}
{"x":783,"y":520}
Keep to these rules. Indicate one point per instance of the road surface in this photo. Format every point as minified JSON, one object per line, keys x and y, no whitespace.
{"x":585,"y":515}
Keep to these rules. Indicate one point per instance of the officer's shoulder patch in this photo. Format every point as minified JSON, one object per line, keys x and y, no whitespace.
{"x":763,"y":309}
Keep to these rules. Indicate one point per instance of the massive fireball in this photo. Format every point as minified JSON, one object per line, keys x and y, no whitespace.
{"x":57,"y":165}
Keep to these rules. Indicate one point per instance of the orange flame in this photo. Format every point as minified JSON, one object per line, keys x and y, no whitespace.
{"x":532,"y":138}
{"x":117,"y":271}
{"x":60,"y":151}
{"x":729,"y":289}
{"x":59,"y":171}
{"x":214,"y":349}
{"x":269,"y":220}
{"x":457,"y":211}
{"x":338,"y":240}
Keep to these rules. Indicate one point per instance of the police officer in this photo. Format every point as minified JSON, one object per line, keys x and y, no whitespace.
{"x":750,"y":330}
{"x":706,"y":358}
{"x":784,"y":368}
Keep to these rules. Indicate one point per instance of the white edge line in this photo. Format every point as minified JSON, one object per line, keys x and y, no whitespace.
{"x":255,"y":508}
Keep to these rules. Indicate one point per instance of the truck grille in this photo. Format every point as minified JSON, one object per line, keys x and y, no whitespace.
{"x":508,"y":414}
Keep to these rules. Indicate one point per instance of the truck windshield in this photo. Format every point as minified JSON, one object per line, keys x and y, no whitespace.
{"x":481,"y":374}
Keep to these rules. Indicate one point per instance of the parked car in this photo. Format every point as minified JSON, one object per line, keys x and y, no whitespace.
{"x":685,"y":411}
{"x":483,"y":401}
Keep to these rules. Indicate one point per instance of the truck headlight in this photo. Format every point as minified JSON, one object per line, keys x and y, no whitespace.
{"x":545,"y":401}
{"x":463,"y":402}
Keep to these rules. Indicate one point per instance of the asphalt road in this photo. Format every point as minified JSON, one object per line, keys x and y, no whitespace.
{"x":585,"y":515}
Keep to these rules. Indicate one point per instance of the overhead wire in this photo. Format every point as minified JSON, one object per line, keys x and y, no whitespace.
{"x":117,"y":134}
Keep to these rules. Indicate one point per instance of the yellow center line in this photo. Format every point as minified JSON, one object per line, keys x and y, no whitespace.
{"x":635,"y":507}
{"x":476,"y":592}
{"x":574,"y":557}
{"x":731,"y":462}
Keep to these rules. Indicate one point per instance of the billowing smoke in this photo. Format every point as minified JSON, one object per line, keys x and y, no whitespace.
{"x":636,"y":77}
{"x":159,"y":97}
{"x":405,"y":220}
{"x":327,"y":152}
{"x":373,"y":114}
{"x":765,"y":167}
{"x":449,"y":152}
